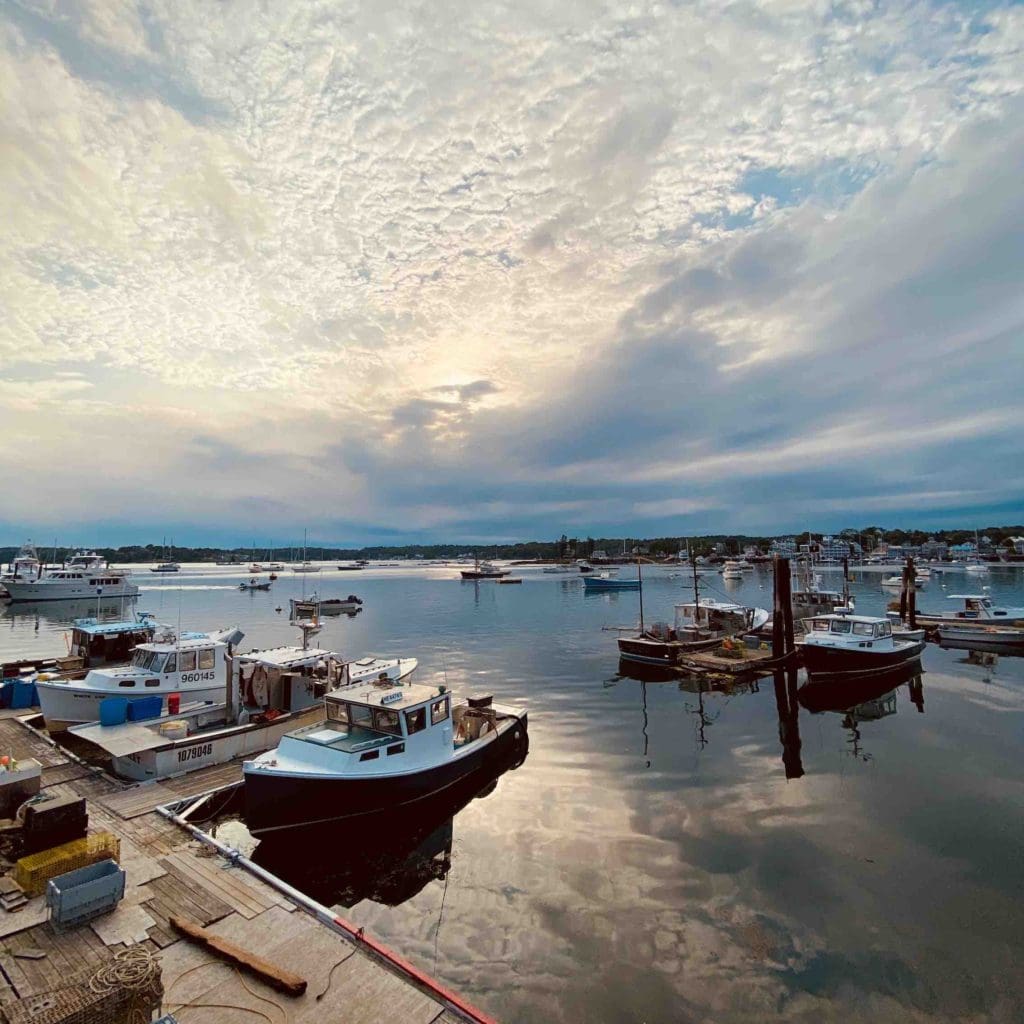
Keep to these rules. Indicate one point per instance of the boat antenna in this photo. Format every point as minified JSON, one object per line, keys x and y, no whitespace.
{"x":640,"y":580}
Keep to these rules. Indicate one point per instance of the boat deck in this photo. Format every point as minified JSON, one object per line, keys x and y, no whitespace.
{"x":751,"y":662}
{"x":170,"y":873}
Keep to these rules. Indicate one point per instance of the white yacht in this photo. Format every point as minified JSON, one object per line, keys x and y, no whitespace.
{"x":381,"y":746}
{"x":84,"y":575}
{"x":191,"y":666}
{"x":732,"y":571}
{"x":24,"y":566}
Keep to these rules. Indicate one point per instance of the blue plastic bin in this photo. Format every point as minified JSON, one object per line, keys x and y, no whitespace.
{"x":85,"y":893}
{"x":22,"y":694}
{"x":6,"y":692}
{"x":113,"y":710}
{"x":145,"y":707}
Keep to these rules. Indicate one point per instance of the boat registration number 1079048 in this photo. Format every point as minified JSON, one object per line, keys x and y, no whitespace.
{"x":193,"y":753}
{"x":195,"y":677}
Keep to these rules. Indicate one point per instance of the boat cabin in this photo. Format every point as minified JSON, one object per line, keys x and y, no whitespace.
{"x":196,"y":660}
{"x":715,"y":618}
{"x":977,"y":606}
{"x":847,"y":630}
{"x":102,"y":643}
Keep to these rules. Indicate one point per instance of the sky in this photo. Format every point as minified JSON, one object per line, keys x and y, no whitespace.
{"x":493,"y":271}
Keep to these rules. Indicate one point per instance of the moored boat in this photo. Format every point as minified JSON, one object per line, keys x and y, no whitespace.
{"x":85,"y":575}
{"x":607,"y":581}
{"x":255,"y":584}
{"x":994,"y":639}
{"x":190,"y":666}
{"x":313,"y":607}
{"x":379,"y":747}
{"x":976,"y":608}
{"x":484,"y":571}
{"x":854,"y":645}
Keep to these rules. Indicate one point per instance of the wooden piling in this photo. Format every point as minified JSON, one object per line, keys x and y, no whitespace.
{"x":911,"y":594}
{"x":782,"y":611}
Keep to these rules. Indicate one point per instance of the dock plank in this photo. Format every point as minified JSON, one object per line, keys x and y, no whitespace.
{"x":132,"y":803}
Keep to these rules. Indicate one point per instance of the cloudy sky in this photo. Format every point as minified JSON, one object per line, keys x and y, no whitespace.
{"x":498,"y":270}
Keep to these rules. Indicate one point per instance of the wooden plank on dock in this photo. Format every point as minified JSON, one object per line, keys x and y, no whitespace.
{"x":131,"y":803}
{"x":231,"y":885}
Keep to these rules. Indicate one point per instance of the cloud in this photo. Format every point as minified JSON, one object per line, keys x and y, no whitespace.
{"x":514,"y":270}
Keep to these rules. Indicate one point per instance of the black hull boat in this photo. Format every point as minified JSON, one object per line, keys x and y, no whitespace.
{"x":650,"y":650}
{"x":382,"y":746}
{"x":854,"y":645}
{"x":274,"y":804}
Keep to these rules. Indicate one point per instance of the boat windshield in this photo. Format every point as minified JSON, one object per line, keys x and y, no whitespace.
{"x":148,"y":660}
{"x":839,"y":626}
{"x":360,"y":716}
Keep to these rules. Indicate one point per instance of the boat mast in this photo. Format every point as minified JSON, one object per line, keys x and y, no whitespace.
{"x":696,"y":591}
{"x":639,"y":578}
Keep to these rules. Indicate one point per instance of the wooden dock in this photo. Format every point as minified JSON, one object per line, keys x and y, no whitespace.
{"x":744,"y":663}
{"x":171,"y":874}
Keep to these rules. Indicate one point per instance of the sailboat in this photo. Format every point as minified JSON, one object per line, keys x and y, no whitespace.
{"x":305,"y":565}
{"x":167,"y":565}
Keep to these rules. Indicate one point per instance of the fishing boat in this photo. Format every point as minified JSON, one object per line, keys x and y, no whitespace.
{"x":189,"y":666}
{"x":984,"y":638}
{"x":808,"y":597}
{"x":379,"y":747}
{"x":976,"y":608}
{"x":854,"y":645}
{"x":607,"y":581}
{"x":484,"y":571}
{"x":255,"y":584}
{"x":901,"y":631}
{"x":92,"y":643}
{"x":584,"y":566}
{"x":264,"y":695}
{"x":85,"y":575}
{"x":306,"y":608}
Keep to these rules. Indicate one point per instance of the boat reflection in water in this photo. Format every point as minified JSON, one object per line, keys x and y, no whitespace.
{"x":865,"y":699}
{"x":61,"y":612}
{"x":390,"y":857}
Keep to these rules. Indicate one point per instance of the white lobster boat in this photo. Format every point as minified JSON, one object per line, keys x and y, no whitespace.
{"x":263,"y":696}
{"x":85,"y":575}
{"x":191,"y":666}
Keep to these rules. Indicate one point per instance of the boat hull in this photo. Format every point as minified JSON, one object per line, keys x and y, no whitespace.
{"x":275,"y":803}
{"x":76,"y":591}
{"x":821,"y":660}
{"x":647,"y":651}
{"x":64,"y":704}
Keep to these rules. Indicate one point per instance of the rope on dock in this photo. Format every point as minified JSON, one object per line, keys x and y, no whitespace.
{"x":227,"y":1006}
{"x":134,"y":971}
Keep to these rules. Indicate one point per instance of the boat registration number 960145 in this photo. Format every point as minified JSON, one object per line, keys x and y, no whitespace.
{"x":193,"y":753}
{"x":195,"y":677}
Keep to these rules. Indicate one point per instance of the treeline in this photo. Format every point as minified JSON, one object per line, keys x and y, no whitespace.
{"x":564,"y":547}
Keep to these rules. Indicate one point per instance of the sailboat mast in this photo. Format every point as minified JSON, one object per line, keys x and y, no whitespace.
{"x":641,"y":582}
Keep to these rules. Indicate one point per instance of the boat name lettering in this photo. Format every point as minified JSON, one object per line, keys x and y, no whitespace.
{"x":195,"y":677}
{"x":192,"y":753}
{"x":390,"y":698}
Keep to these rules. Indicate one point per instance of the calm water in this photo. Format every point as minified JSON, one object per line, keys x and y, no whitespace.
{"x":650,"y":860}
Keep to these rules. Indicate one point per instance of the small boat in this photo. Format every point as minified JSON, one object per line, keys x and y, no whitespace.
{"x":976,"y":567}
{"x":698,"y":626}
{"x":484,"y":571}
{"x":606,"y":581}
{"x":167,"y":567}
{"x":977,"y":608}
{"x":985,"y":638}
{"x":584,"y":566}
{"x":190,"y":666}
{"x":305,"y":567}
{"x":897,"y":581}
{"x":255,"y":584}
{"x":510,"y":579}
{"x":559,"y":569}
{"x":854,"y":645}
{"x":901,"y":631}
{"x":380,"y":747}
{"x":732,"y":571}
{"x":357,"y":567}
{"x":92,"y":644}
{"x":313,"y":606}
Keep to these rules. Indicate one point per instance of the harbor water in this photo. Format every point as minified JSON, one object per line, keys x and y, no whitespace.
{"x":668,"y":851}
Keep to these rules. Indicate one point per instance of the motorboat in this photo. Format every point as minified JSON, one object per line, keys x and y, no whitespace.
{"x":484,"y":571}
{"x":732,"y":571}
{"x":255,"y":583}
{"x":25,"y":566}
{"x":191,"y":666}
{"x":976,"y":608}
{"x":982,"y":638}
{"x":698,"y":626}
{"x":584,"y":566}
{"x":560,"y":569}
{"x":976,"y":567}
{"x":304,"y":608}
{"x":901,"y":631}
{"x":608,"y":581}
{"x":355,"y":567}
{"x":897,"y":582}
{"x":385,"y":746}
{"x":264,"y":695}
{"x":92,"y":643}
{"x":854,"y":645}
{"x":167,"y":567}
{"x":84,"y":575}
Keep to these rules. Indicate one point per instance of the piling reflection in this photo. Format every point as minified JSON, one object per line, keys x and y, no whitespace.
{"x":392,"y":855}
